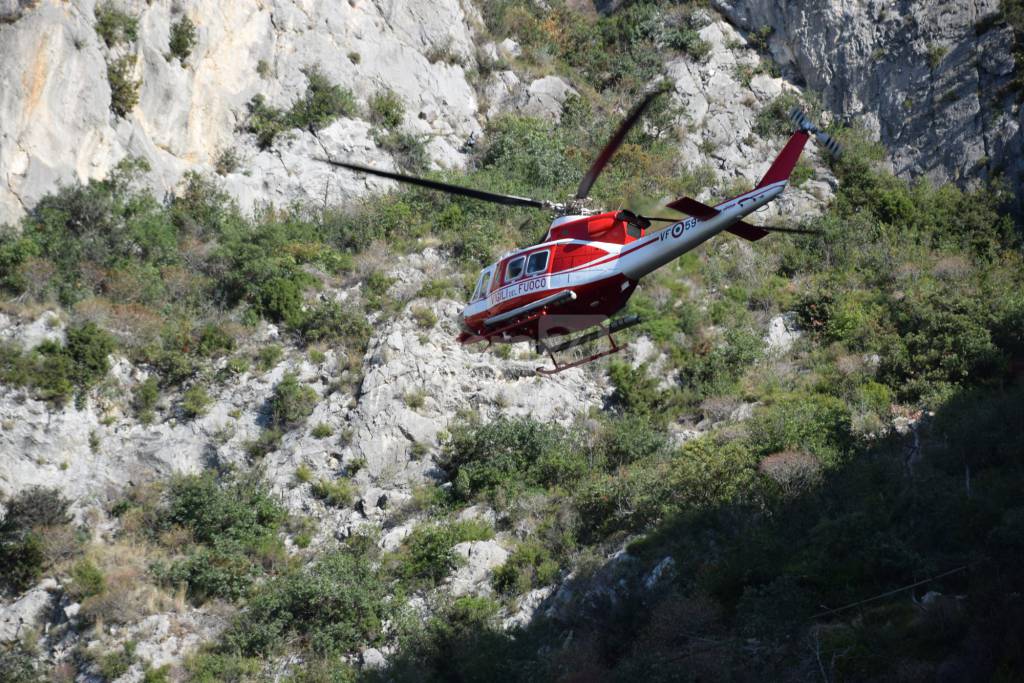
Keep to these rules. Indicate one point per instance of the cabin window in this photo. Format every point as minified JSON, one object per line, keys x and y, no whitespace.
{"x":538,"y":262}
{"x":486,"y":282}
{"x":482,"y":285}
{"x":514,"y":268}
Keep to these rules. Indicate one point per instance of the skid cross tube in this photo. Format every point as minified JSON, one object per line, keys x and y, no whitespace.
{"x":614,"y":326}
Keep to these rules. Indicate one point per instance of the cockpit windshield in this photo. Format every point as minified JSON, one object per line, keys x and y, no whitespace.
{"x":483,"y":283}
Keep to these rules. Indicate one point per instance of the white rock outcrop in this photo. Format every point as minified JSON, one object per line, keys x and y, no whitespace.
{"x":54,"y":89}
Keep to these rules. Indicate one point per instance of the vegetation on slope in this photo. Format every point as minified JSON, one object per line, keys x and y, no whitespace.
{"x":912,"y":308}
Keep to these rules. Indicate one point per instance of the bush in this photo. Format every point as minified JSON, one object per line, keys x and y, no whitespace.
{"x":235,"y":522}
{"x":338,"y":493}
{"x":183,"y":38}
{"x":124,"y":88}
{"x":87,"y":580}
{"x":266,"y":442}
{"x":322,"y":103}
{"x":424,"y":317}
{"x":236,"y":508}
{"x":330,"y":322}
{"x":146,"y":396}
{"x":213,"y":667}
{"x":265,"y":122}
{"x":509,"y":453}
{"x":214,"y":341}
{"x":427,"y":557}
{"x":322,"y":431}
{"x":116,"y":663}
{"x":386,"y":109}
{"x":269,"y":356}
{"x":115,"y":26}
{"x":23,"y":553}
{"x":529,"y":566}
{"x":88,"y":346}
{"x":332,"y":607}
{"x":291,"y":403}
{"x":195,"y":401}
{"x":408,"y":150}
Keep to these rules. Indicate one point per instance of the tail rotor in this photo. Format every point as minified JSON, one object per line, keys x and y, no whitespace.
{"x":801,"y":121}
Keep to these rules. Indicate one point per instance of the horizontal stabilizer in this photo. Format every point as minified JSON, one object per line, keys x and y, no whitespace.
{"x":691,"y":207}
{"x":747,"y":231}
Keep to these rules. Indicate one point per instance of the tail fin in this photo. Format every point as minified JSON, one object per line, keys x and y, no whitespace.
{"x":784,"y":164}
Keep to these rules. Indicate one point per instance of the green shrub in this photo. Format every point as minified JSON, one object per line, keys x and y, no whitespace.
{"x":116,"y":663}
{"x":195,"y":401}
{"x":183,"y":38}
{"x":266,"y":442}
{"x":240,"y":508}
{"x":409,"y":151}
{"x":424,"y":317}
{"x":29,"y":514}
{"x":331,"y":607}
{"x":331,"y":322}
{"x":115,"y":26}
{"x":322,"y":431}
{"x":17,"y":665}
{"x":322,"y":103}
{"x":235,"y":524}
{"x":124,"y":88}
{"x":688,"y":40}
{"x":338,"y":493}
{"x":86,"y":580}
{"x":214,"y":341}
{"x":386,"y":109}
{"x":427,"y":557}
{"x":291,"y":403}
{"x":88,"y":346}
{"x":529,"y":566}
{"x":265,"y":122}
{"x":269,"y":356}
{"x":214,"y":667}
{"x":227,"y":161}
{"x":509,"y":453}
{"x":146,"y":396}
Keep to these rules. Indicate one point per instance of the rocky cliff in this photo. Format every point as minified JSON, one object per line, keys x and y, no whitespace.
{"x":935,"y":80}
{"x":932,"y":81}
{"x":55,"y":98}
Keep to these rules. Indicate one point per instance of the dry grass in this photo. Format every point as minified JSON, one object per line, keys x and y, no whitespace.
{"x":130,"y":595}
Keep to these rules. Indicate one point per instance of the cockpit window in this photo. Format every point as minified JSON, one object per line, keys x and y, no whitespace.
{"x":538,"y":262}
{"x":483,"y":284}
{"x":514,"y":268}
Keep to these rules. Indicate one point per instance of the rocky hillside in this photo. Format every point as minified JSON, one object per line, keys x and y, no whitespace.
{"x":238,"y":440}
{"x":935,"y":81}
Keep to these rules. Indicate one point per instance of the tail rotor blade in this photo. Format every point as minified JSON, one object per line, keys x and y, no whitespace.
{"x":800,"y":120}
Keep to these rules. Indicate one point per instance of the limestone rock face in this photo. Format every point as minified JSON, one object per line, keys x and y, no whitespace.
{"x":481,"y":559}
{"x":54,"y":91}
{"x":930,"y":78}
{"x":415,"y":381}
{"x":23,"y":615}
{"x":719,"y":118}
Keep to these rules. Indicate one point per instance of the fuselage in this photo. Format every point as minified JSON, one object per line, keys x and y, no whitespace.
{"x":599,"y":258}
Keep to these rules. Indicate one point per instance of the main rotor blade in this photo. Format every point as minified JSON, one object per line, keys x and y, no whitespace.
{"x":795,"y":231}
{"x":613,"y":144}
{"x":506,"y":199}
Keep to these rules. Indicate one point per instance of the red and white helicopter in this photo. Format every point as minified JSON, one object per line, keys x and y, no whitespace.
{"x":589,"y":263}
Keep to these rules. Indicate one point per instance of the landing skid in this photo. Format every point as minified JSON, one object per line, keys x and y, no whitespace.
{"x":615,"y":326}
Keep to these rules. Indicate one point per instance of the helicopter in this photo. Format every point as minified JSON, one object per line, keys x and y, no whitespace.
{"x":590,"y":261}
